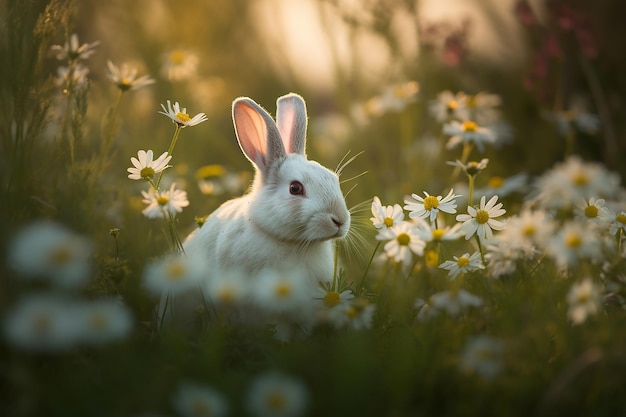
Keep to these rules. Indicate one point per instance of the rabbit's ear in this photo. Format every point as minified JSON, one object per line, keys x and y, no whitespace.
{"x":257,"y":133}
{"x":291,"y":121}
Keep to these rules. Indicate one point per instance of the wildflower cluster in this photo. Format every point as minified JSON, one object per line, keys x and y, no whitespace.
{"x":53,"y":318}
{"x":286,"y":300}
{"x":164,"y":204}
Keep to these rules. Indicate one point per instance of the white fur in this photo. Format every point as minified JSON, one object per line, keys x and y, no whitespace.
{"x":269,"y":227}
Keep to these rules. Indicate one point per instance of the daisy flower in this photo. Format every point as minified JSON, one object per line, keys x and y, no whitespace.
{"x":179,"y":65}
{"x":284,"y":291}
{"x":573,"y":242}
{"x":396,"y":97}
{"x":467,"y":132}
{"x":571,"y":181}
{"x":403,"y":241}
{"x":331,"y":298}
{"x":227,"y":288}
{"x":430,"y":206}
{"x":331,"y":305}
{"x":595,"y":210}
{"x":174,"y":274}
{"x":75,"y":77}
{"x":481,"y":221}
{"x":359,"y":314}
{"x":503,"y":186}
{"x":525,"y":235}
{"x":482,"y":355}
{"x":164,"y":204}
{"x":192,"y":400}
{"x":618,"y":222}
{"x":277,"y":395}
{"x":72,"y":50}
{"x":41,"y":322}
{"x":453,"y":302}
{"x":432,"y":233}
{"x":463,"y":264}
{"x":483,"y":107}
{"x":472,"y":168}
{"x":126,"y":78}
{"x":501,"y":258}
{"x":584,"y":300}
{"x":47,"y":250}
{"x":386,"y":216}
{"x":103,"y":321}
{"x":448,"y":106}
{"x":145,"y":168}
{"x":180,"y":117}
{"x":576,"y":117}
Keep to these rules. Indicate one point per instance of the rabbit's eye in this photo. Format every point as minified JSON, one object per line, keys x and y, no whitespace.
{"x":296,"y":188}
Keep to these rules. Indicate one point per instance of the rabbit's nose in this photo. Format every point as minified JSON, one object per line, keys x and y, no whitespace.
{"x":337,"y":222}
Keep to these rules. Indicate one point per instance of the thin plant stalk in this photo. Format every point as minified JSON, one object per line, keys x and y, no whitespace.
{"x":169,"y":151}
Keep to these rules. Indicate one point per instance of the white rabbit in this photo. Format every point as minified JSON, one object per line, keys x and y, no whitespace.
{"x":293,"y":211}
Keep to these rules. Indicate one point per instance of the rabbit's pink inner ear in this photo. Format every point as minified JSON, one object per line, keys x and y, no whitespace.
{"x":251,"y":132}
{"x":291,"y":122}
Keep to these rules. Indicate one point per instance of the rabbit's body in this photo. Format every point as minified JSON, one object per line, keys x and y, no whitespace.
{"x":293,"y":211}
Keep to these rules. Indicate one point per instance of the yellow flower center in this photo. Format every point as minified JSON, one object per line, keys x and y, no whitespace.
{"x":98,"y":321}
{"x":580,"y":179}
{"x":60,"y":255}
{"x":438,"y":234}
{"x":591,"y":211}
{"x":482,"y":216}
{"x":431,"y":258}
{"x":283,"y":290}
{"x":583,"y":297}
{"x":469,"y":126}
{"x":177,"y":57}
{"x":495,"y":182}
{"x":431,"y":202}
{"x":162,"y":200}
{"x":175,"y":271}
{"x":471,"y":101}
{"x":332,"y":298}
{"x":183,"y":117}
{"x":453,"y":105}
{"x":388,"y":221}
{"x":403,"y":239}
{"x":621,"y":218}
{"x":200,"y":408}
{"x":226,"y":295}
{"x":42,"y":325}
{"x":276,"y":401}
{"x":462,"y":262}
{"x":573,"y":240}
{"x":147,"y":172}
{"x":529,"y":230}
{"x":351,"y":312}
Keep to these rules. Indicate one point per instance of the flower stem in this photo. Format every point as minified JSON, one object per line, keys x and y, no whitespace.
{"x":335,"y":264}
{"x":480,"y":248}
{"x":367,"y":268}
{"x":169,"y":152}
{"x":470,"y":198}
{"x":467,"y":149}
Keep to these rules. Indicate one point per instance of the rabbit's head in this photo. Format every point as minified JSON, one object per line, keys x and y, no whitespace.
{"x":292,"y":199}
